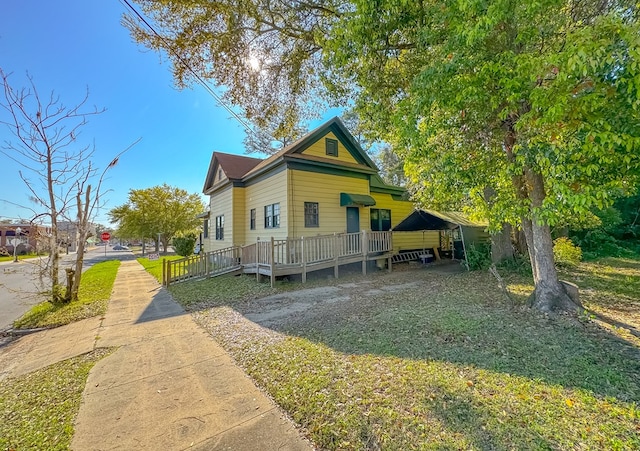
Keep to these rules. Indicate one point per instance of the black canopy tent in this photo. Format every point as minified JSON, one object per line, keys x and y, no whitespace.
{"x":470,"y":231}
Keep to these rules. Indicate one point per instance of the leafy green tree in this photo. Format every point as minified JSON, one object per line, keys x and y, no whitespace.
{"x":391,"y":166}
{"x":537,"y":101}
{"x":271,"y":136}
{"x":268,"y":52}
{"x":610,"y":232}
{"x":158,"y":211}
{"x":625,"y":225}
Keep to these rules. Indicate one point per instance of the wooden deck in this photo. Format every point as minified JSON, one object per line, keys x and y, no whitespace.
{"x":274,"y":258}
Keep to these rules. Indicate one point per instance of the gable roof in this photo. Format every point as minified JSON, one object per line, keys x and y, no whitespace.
{"x":241,"y":169}
{"x":297,"y":148}
{"x":234,"y":167}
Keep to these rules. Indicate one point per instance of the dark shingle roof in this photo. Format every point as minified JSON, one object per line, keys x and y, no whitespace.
{"x":235,"y":166}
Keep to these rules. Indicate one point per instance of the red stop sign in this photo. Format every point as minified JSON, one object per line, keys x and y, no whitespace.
{"x":105,"y":236}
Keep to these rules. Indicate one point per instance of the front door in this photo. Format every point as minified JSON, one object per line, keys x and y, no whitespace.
{"x":353,"y":219}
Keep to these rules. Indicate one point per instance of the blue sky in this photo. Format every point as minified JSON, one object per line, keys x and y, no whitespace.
{"x":68,"y":46}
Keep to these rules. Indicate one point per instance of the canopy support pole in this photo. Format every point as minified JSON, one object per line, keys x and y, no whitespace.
{"x":464,"y":249}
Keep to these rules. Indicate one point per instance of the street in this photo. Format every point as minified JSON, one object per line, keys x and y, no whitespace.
{"x":21,"y":285}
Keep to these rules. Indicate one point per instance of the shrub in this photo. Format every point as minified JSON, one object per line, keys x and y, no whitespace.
{"x":565,"y":253}
{"x":519,"y":264}
{"x":479,"y":256}
{"x":598,"y":243}
{"x":184,"y":245}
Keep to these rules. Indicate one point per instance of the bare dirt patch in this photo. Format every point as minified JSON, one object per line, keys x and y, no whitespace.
{"x":321,"y":304}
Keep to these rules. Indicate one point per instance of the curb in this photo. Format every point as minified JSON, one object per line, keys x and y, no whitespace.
{"x":20,"y":332}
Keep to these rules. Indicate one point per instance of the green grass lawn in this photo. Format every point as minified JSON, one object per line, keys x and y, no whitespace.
{"x":154,"y":267}
{"x":94,"y":294}
{"x":441,"y":361}
{"x":37,"y":410}
{"x":9,"y":258}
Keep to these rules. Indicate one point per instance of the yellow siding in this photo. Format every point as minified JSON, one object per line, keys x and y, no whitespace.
{"x":318,"y":149}
{"x":221,"y":204}
{"x":324,"y":189}
{"x":400,"y":209}
{"x":257,"y":195}
{"x":240,"y":217}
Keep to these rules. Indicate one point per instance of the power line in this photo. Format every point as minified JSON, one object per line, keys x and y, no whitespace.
{"x":197,"y":77}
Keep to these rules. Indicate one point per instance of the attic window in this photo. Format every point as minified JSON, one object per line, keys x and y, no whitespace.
{"x":331,"y":146}
{"x":219,"y":174}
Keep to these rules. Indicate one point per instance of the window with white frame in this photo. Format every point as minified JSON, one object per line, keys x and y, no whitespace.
{"x":311,"y":215}
{"x":220,"y":227}
{"x":272,"y":216}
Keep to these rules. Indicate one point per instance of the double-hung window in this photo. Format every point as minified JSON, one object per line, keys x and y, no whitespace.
{"x":252,"y":219}
{"x":220,"y":227}
{"x":205,"y":228}
{"x":311,"y":218}
{"x":272,"y":216}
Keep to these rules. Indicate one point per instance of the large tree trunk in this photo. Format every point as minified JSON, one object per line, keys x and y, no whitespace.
{"x":501,"y":247}
{"x":54,"y":259}
{"x":520,"y":242}
{"x":83,"y":231}
{"x":549,"y":294}
{"x":527,"y":231}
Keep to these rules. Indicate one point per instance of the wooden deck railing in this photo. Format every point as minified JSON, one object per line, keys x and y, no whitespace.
{"x":265,"y":256}
{"x":249,"y":254}
{"x":205,"y":264}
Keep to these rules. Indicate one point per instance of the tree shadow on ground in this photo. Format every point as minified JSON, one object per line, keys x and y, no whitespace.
{"x":405,"y":343}
{"x":461,"y":319}
{"x":615,"y":278}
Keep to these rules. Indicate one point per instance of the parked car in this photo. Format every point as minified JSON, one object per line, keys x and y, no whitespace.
{"x":119,"y":247}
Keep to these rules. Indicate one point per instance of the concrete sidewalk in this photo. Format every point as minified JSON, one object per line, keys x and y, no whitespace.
{"x":168,"y":385}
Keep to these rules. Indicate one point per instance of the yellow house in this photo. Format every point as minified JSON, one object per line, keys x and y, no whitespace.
{"x":324,"y":183}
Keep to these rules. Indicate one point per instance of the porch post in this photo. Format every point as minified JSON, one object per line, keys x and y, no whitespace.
{"x":336,"y":255}
{"x":389,"y":263}
{"x":273,"y":264}
{"x":304,"y":261}
{"x":464,"y":249}
{"x":258,"y":259}
{"x":288,"y":251}
{"x":365,"y":251}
